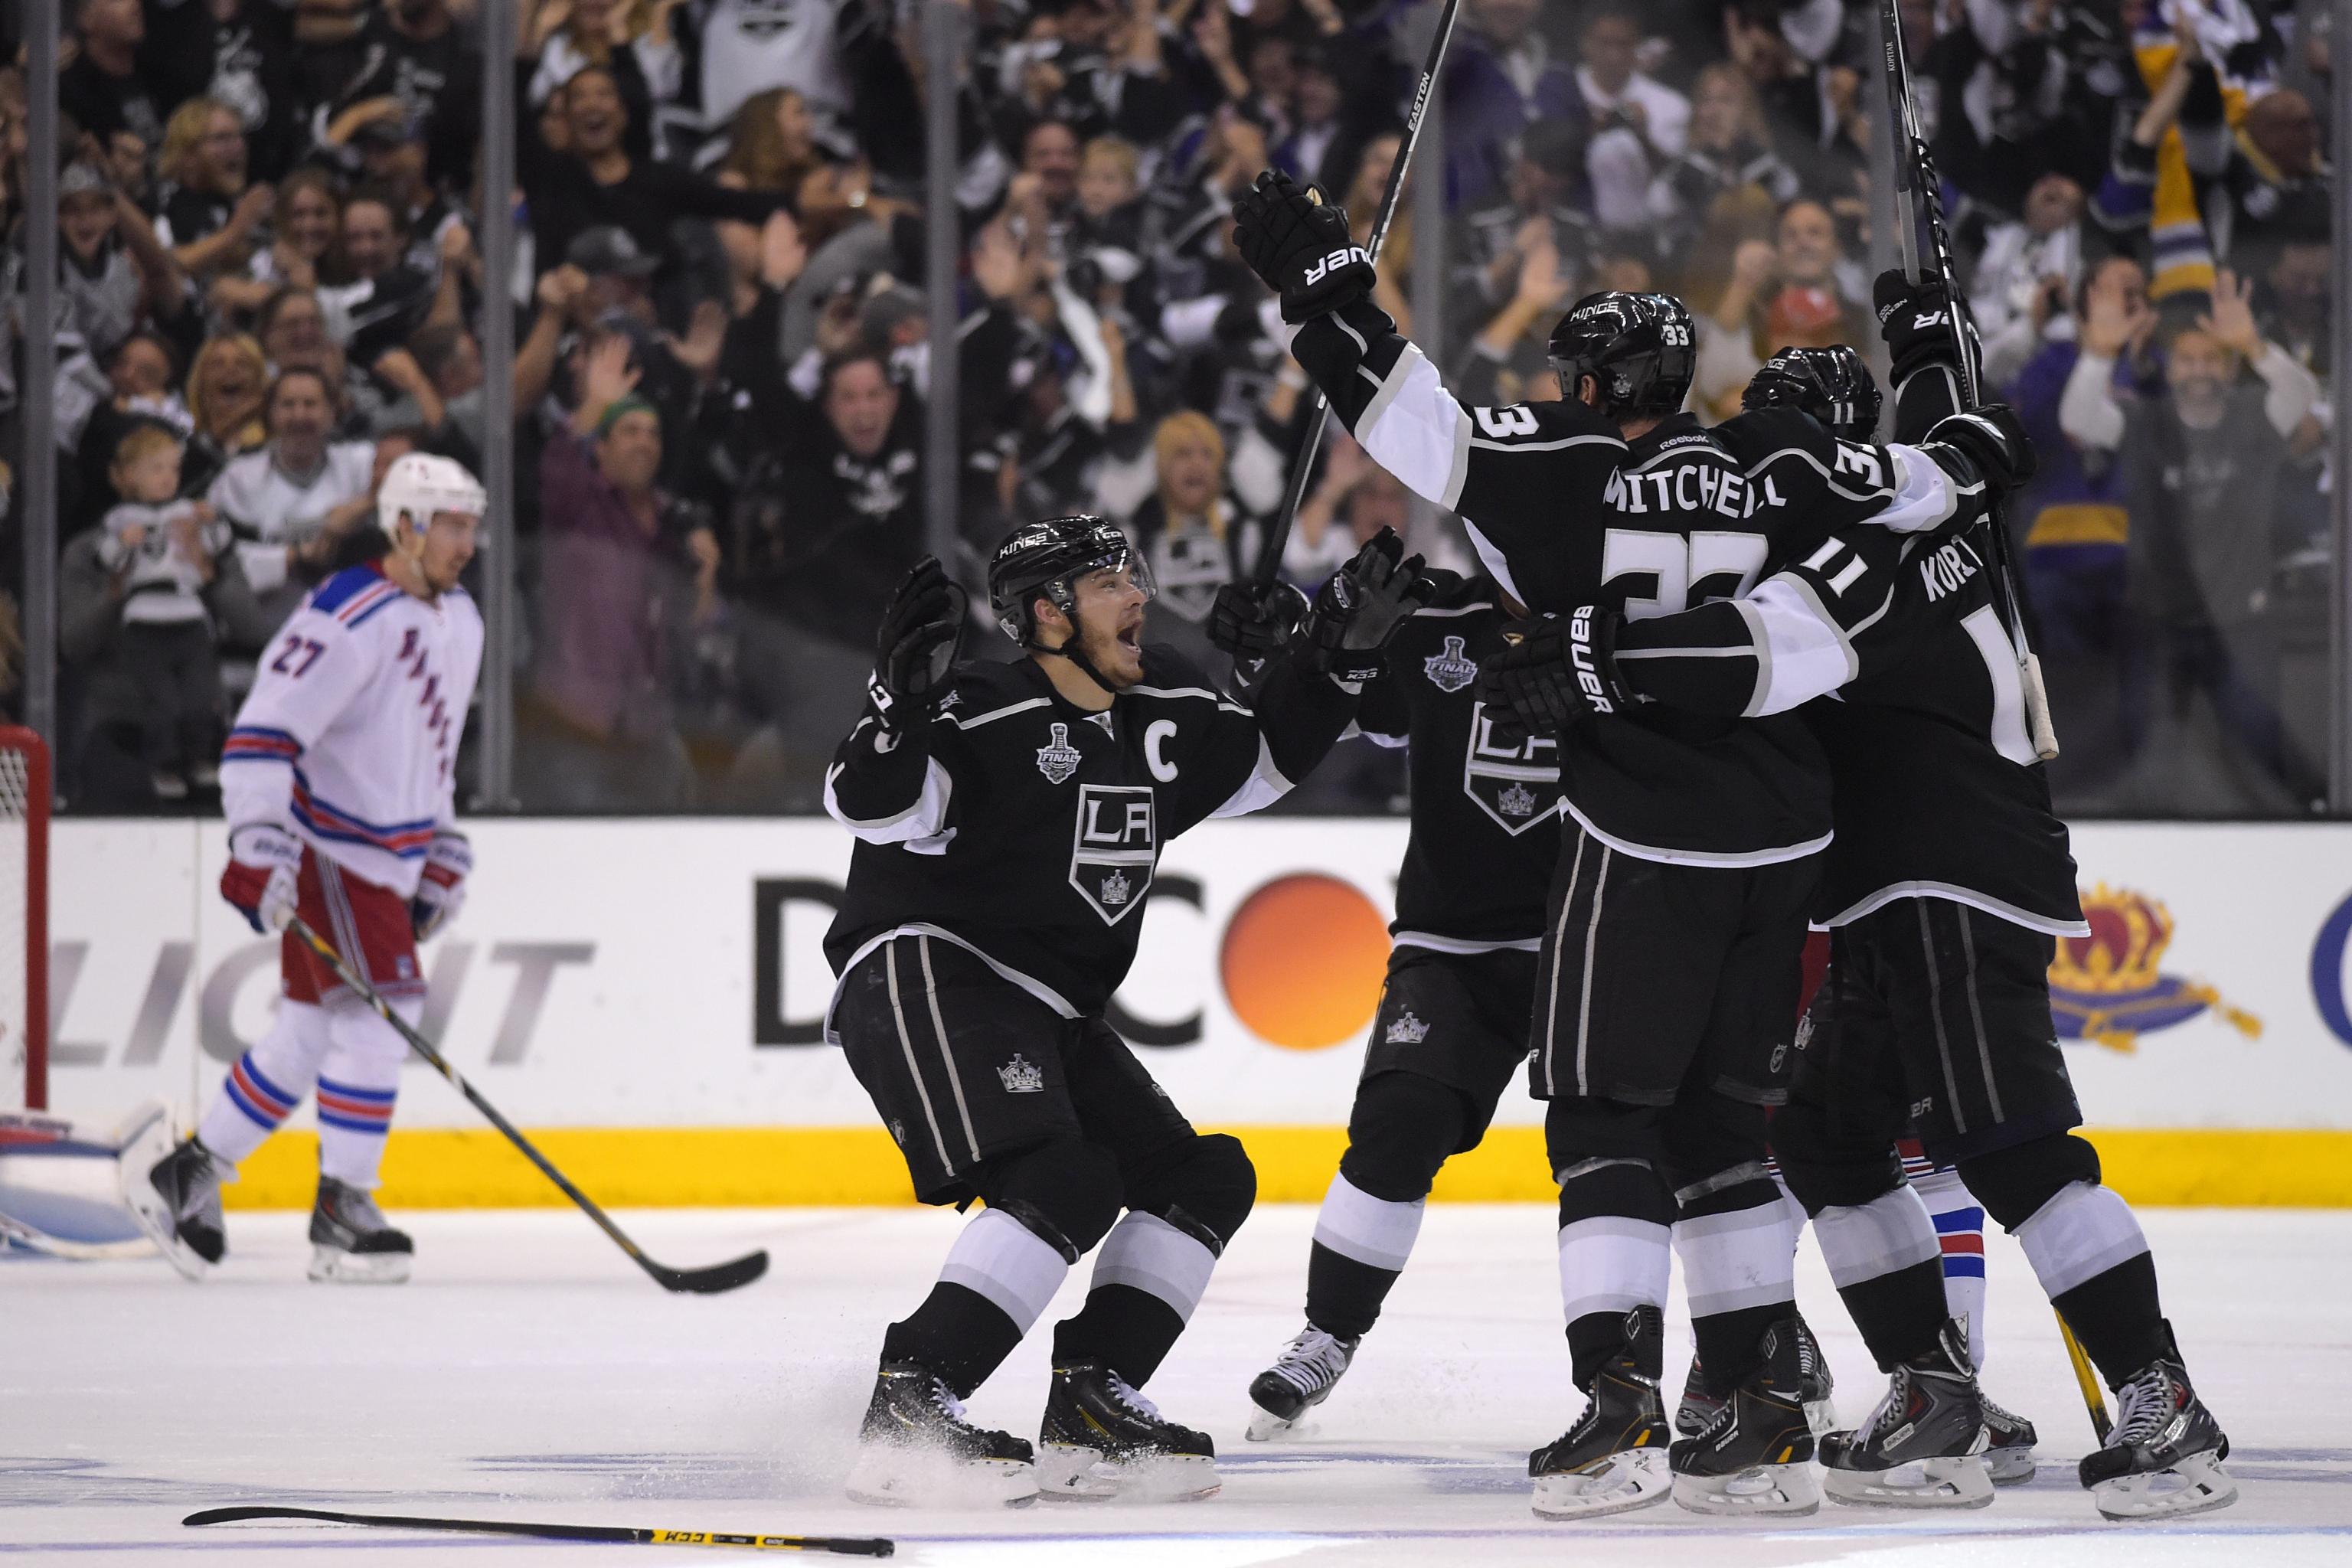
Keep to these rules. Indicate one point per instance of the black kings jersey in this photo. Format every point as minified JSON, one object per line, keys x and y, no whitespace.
{"x":1563,"y":512}
{"x":1028,"y":830}
{"x":1937,"y":790}
{"x":1486,"y":810}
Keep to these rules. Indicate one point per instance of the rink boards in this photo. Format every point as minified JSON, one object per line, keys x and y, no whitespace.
{"x":651,"y":994}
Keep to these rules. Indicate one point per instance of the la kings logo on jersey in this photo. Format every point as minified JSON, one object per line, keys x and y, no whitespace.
{"x":1113,"y":848}
{"x":1514,"y":782}
{"x":1407,"y":1030}
{"x":1057,"y":759}
{"x":1450,"y":668}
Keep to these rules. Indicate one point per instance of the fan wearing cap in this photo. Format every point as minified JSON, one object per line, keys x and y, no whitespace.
{"x":1010,"y":817}
{"x":1677,"y":910}
{"x":339,"y":782}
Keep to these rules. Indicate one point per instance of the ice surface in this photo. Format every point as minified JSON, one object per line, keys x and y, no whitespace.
{"x":529,"y":1371}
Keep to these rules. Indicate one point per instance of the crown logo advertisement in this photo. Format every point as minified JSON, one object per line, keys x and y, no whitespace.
{"x":1116,"y":887}
{"x":2108,"y":987}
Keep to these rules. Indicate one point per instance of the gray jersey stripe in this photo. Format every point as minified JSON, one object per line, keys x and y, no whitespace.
{"x":1976,"y":1015}
{"x":940,"y":1027}
{"x":1935,"y":1011}
{"x":907,"y":1046}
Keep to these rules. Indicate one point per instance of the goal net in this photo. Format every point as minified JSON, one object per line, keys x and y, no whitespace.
{"x":24,"y":923}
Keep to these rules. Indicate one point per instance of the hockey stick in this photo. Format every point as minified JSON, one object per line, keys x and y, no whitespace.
{"x":846,"y":1546}
{"x":1916,"y":194}
{"x":2093,"y":1400}
{"x":1277,"y":538}
{"x":698,"y":1281}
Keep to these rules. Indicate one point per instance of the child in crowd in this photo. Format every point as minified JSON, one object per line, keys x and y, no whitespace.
{"x":161,"y":549}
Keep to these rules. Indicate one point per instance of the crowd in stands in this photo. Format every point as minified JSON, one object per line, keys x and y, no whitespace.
{"x":271,"y":283}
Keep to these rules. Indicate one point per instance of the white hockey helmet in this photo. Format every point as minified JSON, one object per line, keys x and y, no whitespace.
{"x":420,"y":485}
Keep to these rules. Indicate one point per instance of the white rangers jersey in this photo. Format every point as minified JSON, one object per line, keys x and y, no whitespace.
{"x":349,"y":739}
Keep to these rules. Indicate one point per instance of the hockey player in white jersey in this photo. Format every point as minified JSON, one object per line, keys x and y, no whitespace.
{"x":338,"y":782}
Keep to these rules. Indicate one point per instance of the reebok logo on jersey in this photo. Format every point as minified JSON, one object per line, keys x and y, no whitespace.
{"x":1022,"y":1076}
{"x":1318,"y":271}
{"x":1450,"y":668}
{"x":1947,"y":567}
{"x":1057,"y":759}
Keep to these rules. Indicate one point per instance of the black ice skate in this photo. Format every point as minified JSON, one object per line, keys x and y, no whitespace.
{"x":1698,"y":1407}
{"x":1755,"y":1456}
{"x":1301,"y":1378}
{"x":2164,"y":1457}
{"x":1609,"y":1462}
{"x":916,"y":1449}
{"x":1101,"y":1438}
{"x":174,"y":1192}
{"x":351,"y":1241}
{"x":1920,"y":1447}
{"x":2008,"y":1458}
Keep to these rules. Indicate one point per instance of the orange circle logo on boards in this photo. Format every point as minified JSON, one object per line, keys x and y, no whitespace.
{"x":1303,"y":960}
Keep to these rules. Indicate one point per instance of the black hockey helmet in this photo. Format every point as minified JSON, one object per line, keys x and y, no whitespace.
{"x":1640,"y":347}
{"x":1041,"y":560}
{"x":1832,"y":384}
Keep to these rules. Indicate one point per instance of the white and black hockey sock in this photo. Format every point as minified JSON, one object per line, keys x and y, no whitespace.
{"x":1149,"y":1277}
{"x":1615,"y":1253}
{"x":1361,"y":1244}
{"x":996,"y":1283}
{"x":2087,"y":1251}
{"x":1883,"y":1257}
{"x":1736,"y":1238}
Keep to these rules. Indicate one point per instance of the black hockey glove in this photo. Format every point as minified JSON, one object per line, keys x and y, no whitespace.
{"x":1562,"y":668}
{"x":1914,"y":318}
{"x":1252,"y":622}
{"x":1360,"y":608}
{"x":1992,"y":439}
{"x":917,"y":645}
{"x":1298,"y":244}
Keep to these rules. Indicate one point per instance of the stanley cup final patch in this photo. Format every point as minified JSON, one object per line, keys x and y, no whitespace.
{"x":1057,"y":759}
{"x":1114,"y":847}
{"x":1450,"y":668}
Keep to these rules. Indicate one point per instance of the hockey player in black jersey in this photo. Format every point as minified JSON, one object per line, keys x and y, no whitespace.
{"x":1009,"y":818}
{"x":1666,"y":981}
{"x":1947,"y":886}
{"x":1451,"y":1027}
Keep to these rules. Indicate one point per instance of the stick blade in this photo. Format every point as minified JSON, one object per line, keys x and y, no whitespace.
{"x":239,"y":1514}
{"x":718,"y":1277}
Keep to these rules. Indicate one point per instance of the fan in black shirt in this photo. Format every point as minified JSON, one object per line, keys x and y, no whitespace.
{"x":596,"y":182}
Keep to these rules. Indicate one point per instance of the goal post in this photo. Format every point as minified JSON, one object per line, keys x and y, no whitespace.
{"x":24,"y":919}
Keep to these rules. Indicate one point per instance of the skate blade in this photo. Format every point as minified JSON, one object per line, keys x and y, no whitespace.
{"x":134,"y":1167}
{"x":2195,"y":1485}
{"x":1958,"y":1481}
{"x":1622,"y":1483}
{"x":2009,"y":1467}
{"x":1265,"y":1425}
{"x":333,"y":1266}
{"x":1821,"y":1416}
{"x":1778,"y":1490}
{"x":886,"y":1475}
{"x":1072,"y":1474}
